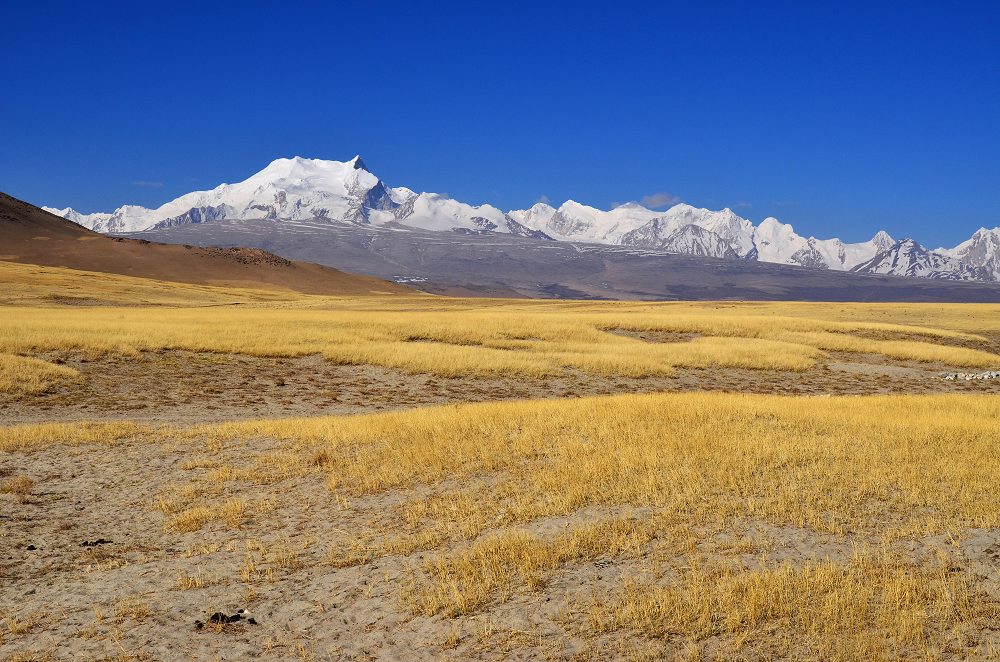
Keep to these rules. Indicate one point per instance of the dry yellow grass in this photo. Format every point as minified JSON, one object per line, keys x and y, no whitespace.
{"x":22,"y":375}
{"x":188,"y":582}
{"x":461,"y":336}
{"x":496,"y":566}
{"x":470,"y":338}
{"x":35,"y":285}
{"x":233,"y":513}
{"x":131,"y":607}
{"x":18,"y":486}
{"x":43,"y":435}
{"x":816,"y":462}
{"x":871,"y":607}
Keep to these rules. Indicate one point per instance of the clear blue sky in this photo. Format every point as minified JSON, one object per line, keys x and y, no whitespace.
{"x":838,"y":118}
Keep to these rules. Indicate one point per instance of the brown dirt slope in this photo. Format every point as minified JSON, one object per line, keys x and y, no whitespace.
{"x":31,"y":235}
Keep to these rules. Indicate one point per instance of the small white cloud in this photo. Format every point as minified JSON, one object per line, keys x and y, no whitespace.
{"x":661,"y":200}
{"x":742,"y":205}
{"x":543,"y":199}
{"x":143,"y":183}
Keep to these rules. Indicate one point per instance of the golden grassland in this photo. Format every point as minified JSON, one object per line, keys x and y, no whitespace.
{"x":451,"y":337}
{"x":36,"y":285}
{"x":926,"y":461}
{"x":469,"y":337}
{"x":662,"y":477}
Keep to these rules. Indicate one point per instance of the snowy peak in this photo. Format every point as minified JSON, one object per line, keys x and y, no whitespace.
{"x":775,"y":241}
{"x":578,"y":222}
{"x":909,"y":258}
{"x":689,"y":230}
{"x":288,"y":188}
{"x":695,"y":240}
{"x":882,"y":241}
{"x":86,"y":220}
{"x":310,"y":175}
{"x":982,"y":251}
{"x":534,"y":219}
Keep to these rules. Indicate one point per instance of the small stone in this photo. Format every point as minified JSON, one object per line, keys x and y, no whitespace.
{"x":31,"y":548}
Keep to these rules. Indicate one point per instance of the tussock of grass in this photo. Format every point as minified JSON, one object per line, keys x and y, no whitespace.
{"x":233,"y":513}
{"x":496,"y":566}
{"x":190,"y":582}
{"x":42,"y":435}
{"x":22,"y":375}
{"x":131,"y":607}
{"x":18,"y":486}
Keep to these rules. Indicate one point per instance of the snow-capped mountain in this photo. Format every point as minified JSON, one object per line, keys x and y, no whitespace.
{"x":347,"y":192}
{"x":686,"y":229}
{"x":97,"y":222}
{"x":982,"y":250}
{"x":300,"y":189}
{"x":573,"y":221}
{"x":688,"y":239}
{"x":908,"y":258}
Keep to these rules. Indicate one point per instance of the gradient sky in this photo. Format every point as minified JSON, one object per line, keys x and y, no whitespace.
{"x":838,"y":118}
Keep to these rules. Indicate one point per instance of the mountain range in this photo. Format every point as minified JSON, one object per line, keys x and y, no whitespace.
{"x":335,"y":192}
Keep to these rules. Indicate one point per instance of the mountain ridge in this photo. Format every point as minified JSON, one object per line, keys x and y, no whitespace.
{"x":348,"y":192}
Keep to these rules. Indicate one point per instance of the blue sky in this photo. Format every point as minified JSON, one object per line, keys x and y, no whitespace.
{"x":838,"y":118}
